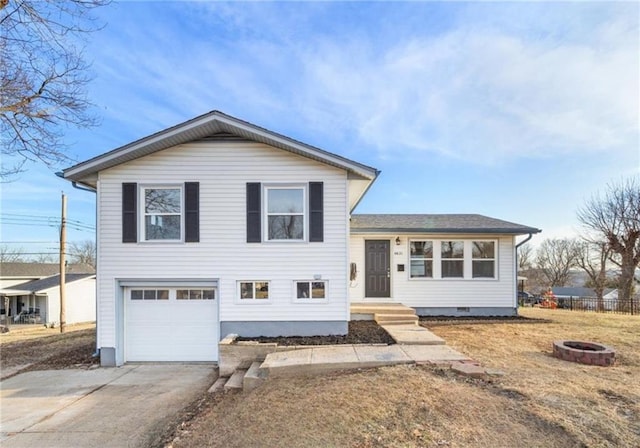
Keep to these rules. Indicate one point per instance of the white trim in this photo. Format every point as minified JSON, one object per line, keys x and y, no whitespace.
{"x":89,"y":167}
{"x":252,"y":300}
{"x":142,"y":214}
{"x":297,"y":299}
{"x":265,"y":210}
{"x":467,"y":260}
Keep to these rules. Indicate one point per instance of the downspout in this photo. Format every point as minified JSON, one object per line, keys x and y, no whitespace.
{"x":515,"y":308}
{"x":524,"y":241}
{"x":75,"y":185}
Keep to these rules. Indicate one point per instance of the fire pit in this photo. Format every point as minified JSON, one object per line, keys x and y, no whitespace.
{"x":584,"y":353}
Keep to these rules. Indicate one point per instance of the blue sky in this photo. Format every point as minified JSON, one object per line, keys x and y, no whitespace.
{"x":516,"y":110}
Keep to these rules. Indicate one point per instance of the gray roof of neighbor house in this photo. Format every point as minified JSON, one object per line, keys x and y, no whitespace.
{"x":45,"y":283}
{"x":39,"y":270}
{"x":206,"y":126}
{"x":436,"y":224}
{"x":576,"y":291}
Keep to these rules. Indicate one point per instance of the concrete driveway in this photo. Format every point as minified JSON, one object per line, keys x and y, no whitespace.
{"x":105,"y":407}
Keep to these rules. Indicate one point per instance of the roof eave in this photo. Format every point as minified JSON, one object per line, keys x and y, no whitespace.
{"x":82,"y":170}
{"x":496,"y":231}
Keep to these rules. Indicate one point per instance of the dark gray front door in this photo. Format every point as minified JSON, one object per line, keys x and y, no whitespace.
{"x":377,"y":268}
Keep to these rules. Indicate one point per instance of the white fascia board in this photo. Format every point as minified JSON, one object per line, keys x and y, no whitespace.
{"x":315,"y":153}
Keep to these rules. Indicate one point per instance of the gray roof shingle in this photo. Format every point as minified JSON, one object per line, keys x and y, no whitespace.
{"x":36,"y":270}
{"x":366,"y":223}
{"x":46,"y":283}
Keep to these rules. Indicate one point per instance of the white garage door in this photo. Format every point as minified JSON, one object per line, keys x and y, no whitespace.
{"x":171,"y":324}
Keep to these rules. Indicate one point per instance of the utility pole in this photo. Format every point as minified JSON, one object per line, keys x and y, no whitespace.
{"x":63,"y":240}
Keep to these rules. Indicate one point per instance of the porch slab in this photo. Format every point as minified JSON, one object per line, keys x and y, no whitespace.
{"x":411,"y":334}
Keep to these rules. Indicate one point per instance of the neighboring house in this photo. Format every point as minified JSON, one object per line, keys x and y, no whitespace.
{"x":14,"y":273}
{"x":562,"y":292}
{"x":38,"y":301}
{"x":218,"y":226}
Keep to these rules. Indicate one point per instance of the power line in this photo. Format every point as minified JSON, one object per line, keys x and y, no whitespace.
{"x":30,"y":242}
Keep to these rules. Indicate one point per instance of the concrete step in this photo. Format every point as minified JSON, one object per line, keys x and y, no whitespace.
{"x":254,"y":376}
{"x":388,"y":318}
{"x":219,"y":384}
{"x":389,"y":308}
{"x":399,"y":322}
{"x":235,"y":381}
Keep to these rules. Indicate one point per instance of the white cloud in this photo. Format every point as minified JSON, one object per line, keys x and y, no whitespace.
{"x":485,"y":96}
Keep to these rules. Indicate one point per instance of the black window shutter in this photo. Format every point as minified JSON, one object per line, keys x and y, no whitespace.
{"x":191,"y":212}
{"x":129,"y":212}
{"x":316,"y":212}
{"x":254,"y":224}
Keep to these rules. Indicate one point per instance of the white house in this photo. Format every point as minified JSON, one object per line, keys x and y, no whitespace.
{"x":38,"y":301}
{"x":14,"y":273}
{"x":218,"y":226}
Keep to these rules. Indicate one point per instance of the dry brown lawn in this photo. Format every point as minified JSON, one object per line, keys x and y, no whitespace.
{"x":540,"y":402}
{"x":38,"y":348}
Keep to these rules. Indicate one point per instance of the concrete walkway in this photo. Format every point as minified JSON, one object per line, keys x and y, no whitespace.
{"x":107,"y":407}
{"x":325,"y":359}
{"x":411,"y":334}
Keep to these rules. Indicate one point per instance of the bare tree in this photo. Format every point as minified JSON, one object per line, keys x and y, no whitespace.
{"x":592,"y":258}
{"x":615,"y":218}
{"x":43,"y":77}
{"x":555,"y":259}
{"x":45,"y":258}
{"x":525,"y":256}
{"x":11,"y":255}
{"x":83,"y":252}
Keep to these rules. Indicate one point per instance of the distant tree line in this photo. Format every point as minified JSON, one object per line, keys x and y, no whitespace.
{"x":82,"y":252}
{"x":607,"y":251}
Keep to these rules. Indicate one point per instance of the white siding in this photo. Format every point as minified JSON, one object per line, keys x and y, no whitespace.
{"x":80,"y":303}
{"x":499,"y":292}
{"x":223,"y":169}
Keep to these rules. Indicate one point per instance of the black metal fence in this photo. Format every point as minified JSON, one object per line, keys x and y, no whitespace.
{"x":618,"y":306}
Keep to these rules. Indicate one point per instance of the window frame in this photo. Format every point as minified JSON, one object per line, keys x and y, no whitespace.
{"x":297,"y":299}
{"x":453,"y":259}
{"x":192,"y":289}
{"x":422,"y":258}
{"x":467,"y":259}
{"x":252,"y":301}
{"x":494,"y":259}
{"x":265,"y":211}
{"x":143,"y":214}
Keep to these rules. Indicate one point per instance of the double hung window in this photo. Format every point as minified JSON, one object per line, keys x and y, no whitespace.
{"x":452,"y":259}
{"x":421,"y":259}
{"x":285,"y":213}
{"x":483,"y":259}
{"x":162,"y":210}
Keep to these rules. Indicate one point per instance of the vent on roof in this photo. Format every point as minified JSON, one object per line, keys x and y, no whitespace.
{"x":222,"y":136}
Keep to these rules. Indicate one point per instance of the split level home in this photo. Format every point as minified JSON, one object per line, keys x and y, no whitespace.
{"x":218,"y":226}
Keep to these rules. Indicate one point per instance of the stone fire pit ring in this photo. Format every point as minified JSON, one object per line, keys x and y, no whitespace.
{"x":584,"y":352}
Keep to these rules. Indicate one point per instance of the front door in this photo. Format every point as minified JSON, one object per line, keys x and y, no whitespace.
{"x":377,"y":268}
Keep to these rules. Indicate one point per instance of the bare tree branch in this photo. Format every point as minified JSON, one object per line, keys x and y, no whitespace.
{"x":555,"y":258}
{"x":615,"y":219}
{"x":11,"y":255}
{"x":43,"y":77}
{"x":83,"y":252}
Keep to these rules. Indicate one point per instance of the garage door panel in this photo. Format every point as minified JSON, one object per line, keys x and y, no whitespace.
{"x":171,"y":330}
